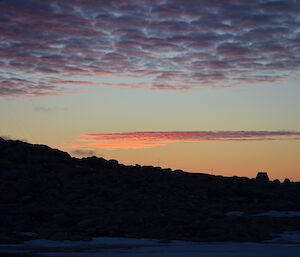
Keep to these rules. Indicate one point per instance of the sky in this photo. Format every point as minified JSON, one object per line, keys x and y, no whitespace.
{"x":200,"y":85}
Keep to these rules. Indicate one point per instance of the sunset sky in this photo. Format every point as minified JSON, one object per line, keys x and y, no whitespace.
{"x":200,"y":85}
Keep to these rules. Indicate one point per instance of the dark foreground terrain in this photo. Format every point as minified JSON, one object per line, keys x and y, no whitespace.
{"x":46,"y":191}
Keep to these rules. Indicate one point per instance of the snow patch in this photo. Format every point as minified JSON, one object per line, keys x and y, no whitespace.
{"x":279,"y":214}
{"x":286,"y":237}
{"x":29,"y":234}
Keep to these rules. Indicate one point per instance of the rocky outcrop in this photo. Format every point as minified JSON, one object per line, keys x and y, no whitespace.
{"x":262,"y":176}
{"x":46,"y":191}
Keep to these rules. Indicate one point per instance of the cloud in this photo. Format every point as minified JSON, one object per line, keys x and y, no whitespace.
{"x":83,"y":153}
{"x":13,"y":138}
{"x":203,"y":43}
{"x":6,"y":137}
{"x":136,"y":140}
{"x":16,"y":87}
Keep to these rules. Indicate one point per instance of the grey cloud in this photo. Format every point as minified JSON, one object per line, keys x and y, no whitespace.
{"x":83,"y":153}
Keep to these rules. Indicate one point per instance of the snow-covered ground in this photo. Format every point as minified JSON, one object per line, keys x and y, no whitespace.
{"x":287,"y":244}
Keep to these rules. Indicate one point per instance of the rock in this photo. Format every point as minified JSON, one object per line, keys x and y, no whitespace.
{"x":93,"y":162}
{"x":10,"y":238}
{"x":178,"y":171}
{"x":64,"y":198}
{"x":45,"y":232}
{"x":61,"y":218}
{"x":262,"y":176}
{"x":27,"y":198}
{"x":88,"y":222}
{"x":113,"y":163}
{"x":59,"y":236}
{"x":79,"y":237}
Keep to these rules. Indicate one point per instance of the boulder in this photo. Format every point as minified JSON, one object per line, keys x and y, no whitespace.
{"x":262,"y":176}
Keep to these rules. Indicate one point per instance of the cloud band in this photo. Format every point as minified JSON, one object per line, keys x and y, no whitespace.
{"x":136,"y":140}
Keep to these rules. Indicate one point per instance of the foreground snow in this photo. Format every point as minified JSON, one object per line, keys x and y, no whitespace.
{"x":287,"y":244}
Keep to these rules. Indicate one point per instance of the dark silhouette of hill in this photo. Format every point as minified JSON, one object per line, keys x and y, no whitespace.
{"x":46,"y":191}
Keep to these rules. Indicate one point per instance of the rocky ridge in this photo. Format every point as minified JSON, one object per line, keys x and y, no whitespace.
{"x":46,"y":191}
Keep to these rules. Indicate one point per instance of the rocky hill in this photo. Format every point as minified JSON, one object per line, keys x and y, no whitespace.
{"x":58,"y":197}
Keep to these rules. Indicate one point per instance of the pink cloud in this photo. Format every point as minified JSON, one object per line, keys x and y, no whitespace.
{"x":137,"y":140}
